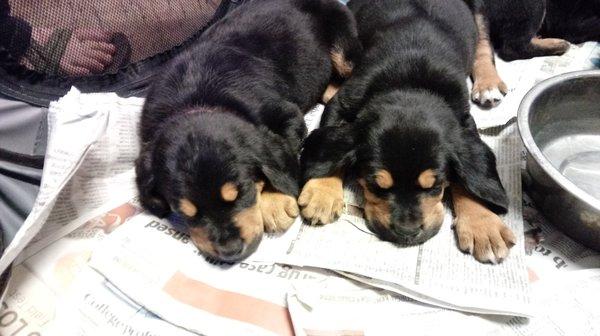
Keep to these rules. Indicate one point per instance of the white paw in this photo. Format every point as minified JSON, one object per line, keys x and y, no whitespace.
{"x":488,"y":98}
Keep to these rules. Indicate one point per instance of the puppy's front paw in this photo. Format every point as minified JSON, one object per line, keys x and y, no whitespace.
{"x":322,"y":200}
{"x":485,"y":237}
{"x":278,"y":210}
{"x":488,"y":91}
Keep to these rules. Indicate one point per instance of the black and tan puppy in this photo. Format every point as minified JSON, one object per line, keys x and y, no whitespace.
{"x":401,"y":123}
{"x":522,"y":29}
{"x":511,"y":27}
{"x":223,"y":124}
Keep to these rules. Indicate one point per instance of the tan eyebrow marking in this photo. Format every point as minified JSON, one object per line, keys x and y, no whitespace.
{"x":187,"y":207}
{"x":229,"y":192}
{"x":427,"y":179}
{"x":384,"y":179}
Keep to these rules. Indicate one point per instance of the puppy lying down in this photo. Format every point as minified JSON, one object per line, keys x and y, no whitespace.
{"x":222,"y":126}
{"x":401,"y":125}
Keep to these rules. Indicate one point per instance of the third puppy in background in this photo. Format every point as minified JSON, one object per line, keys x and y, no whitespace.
{"x":522,"y":29}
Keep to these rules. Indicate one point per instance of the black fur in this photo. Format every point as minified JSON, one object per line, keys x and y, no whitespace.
{"x":406,"y":109}
{"x":575,"y":21}
{"x":230,"y":109}
{"x":513,"y":23}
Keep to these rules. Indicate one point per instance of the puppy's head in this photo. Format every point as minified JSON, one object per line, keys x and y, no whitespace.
{"x":403,"y":178}
{"x":407,"y":160}
{"x":205,"y":169}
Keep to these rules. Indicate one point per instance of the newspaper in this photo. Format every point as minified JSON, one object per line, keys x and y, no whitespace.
{"x":87,"y":171}
{"x":564,"y":277}
{"x":565,"y":306}
{"x":162,"y":270}
{"x":551,"y":252}
{"x":521,"y":75}
{"x":96,"y":307}
{"x":435,"y":272}
{"x":55,"y":292}
{"x":342,"y":307}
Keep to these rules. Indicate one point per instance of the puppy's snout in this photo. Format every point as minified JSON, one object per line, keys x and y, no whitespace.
{"x":230,"y":250}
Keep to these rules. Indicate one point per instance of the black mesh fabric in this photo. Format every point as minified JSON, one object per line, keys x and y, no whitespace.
{"x":47,"y":46}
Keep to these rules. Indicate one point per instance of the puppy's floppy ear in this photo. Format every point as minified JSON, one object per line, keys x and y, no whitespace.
{"x":474,"y":166}
{"x":326,"y":150}
{"x":146,"y":181}
{"x":283,"y":180}
{"x":278,"y":163}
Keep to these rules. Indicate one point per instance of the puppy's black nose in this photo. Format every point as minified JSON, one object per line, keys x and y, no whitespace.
{"x":230,"y":249}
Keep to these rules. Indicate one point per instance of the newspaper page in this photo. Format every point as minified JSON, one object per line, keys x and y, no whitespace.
{"x":341,"y":307}
{"x":157,"y":266}
{"x":564,"y":277}
{"x":55,"y":292}
{"x":95,"y":307}
{"x":64,"y":156}
{"x":521,"y":75}
{"x":566,"y":306}
{"x":435,"y":272}
{"x":105,"y":178}
{"x":87,"y":171}
{"x":550,"y":251}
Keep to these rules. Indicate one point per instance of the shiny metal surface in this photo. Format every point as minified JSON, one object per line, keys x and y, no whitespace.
{"x":559,"y":122}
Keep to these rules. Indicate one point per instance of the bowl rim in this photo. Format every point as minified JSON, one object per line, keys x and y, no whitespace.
{"x":533,"y":149}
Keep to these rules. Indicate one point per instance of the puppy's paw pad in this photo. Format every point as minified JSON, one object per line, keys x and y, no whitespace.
{"x":322,"y":200}
{"x":486,"y":238}
{"x":278,"y":211}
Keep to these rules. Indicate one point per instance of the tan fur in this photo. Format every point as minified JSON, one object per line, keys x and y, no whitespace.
{"x":384,"y":179}
{"x":485,"y":75}
{"x":229,"y":192}
{"x":426,"y":179}
{"x":278,"y":210}
{"x":376,"y":209}
{"x":187,"y":207}
{"x":432,"y":210}
{"x":200,"y":238}
{"x":330,"y":92}
{"x":480,"y":231}
{"x":322,"y":199}
{"x":552,"y":45}
{"x":341,"y":66}
{"x":249,"y":222}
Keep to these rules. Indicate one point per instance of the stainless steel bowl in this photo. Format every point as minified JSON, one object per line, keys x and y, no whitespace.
{"x":559,"y":122}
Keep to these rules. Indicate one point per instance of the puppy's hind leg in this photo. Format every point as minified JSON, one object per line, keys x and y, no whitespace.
{"x":345,"y":47}
{"x":536,"y":47}
{"x":488,"y":87}
{"x":341,"y":35}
